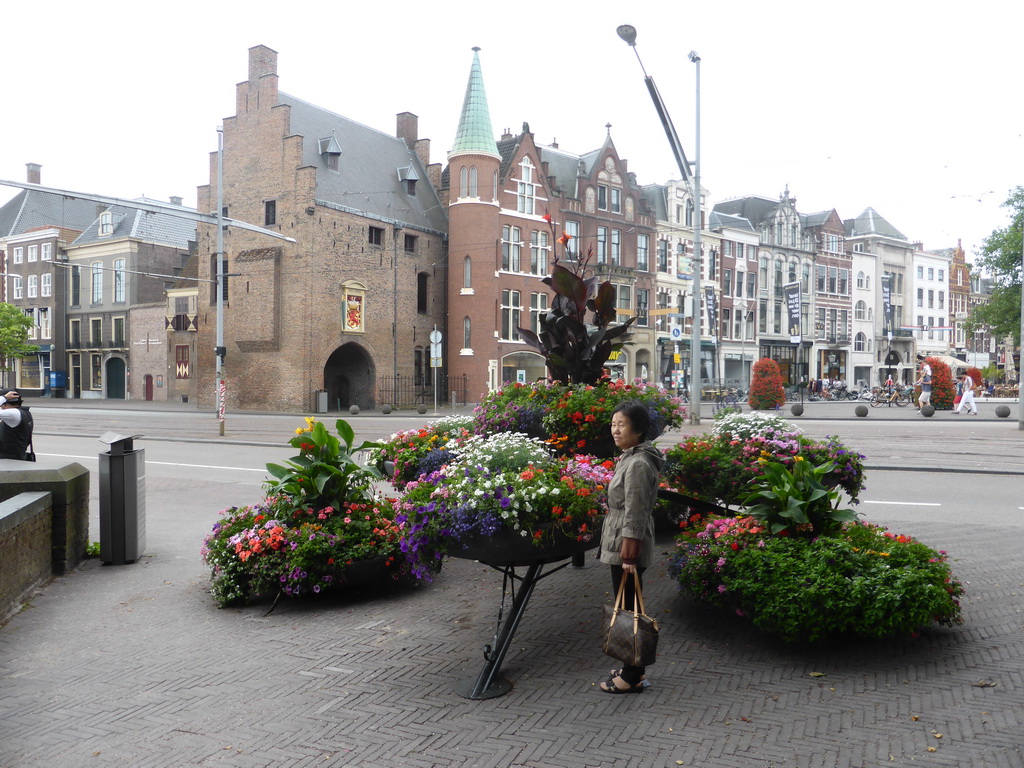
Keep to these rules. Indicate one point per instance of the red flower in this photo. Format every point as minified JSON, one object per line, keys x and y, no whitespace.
{"x":547,"y":217}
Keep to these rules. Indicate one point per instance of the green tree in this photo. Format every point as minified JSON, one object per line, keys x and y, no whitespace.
{"x":14,"y":328}
{"x":1000,"y":257}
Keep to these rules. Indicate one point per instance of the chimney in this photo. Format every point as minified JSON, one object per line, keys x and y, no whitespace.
{"x":262,"y":61}
{"x":34,"y":175}
{"x":175,"y":200}
{"x":408,"y":128}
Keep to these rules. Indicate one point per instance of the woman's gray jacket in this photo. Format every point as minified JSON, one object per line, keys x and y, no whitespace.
{"x":631,"y":496}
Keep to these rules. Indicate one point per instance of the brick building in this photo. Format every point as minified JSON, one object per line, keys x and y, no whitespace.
{"x":497,"y":194}
{"x":348,"y":307}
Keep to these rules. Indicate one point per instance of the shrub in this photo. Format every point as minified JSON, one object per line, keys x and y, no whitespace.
{"x":766,"y":391}
{"x":943,"y":388}
{"x":864,"y":581}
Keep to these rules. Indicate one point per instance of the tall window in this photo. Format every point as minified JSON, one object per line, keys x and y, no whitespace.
{"x":527,"y":193}
{"x":46,"y":252}
{"x":844,"y":282}
{"x":421,"y":293}
{"x":727,"y":282}
{"x":118,"y":332}
{"x":860,"y":311}
{"x":269,"y":213}
{"x":602,"y":197}
{"x":602,"y":245}
{"x":33,"y":286}
{"x":16,"y":288}
{"x":45,"y":328}
{"x":573,"y":247}
{"x":538,"y":307}
{"x":642,"y":307}
{"x":625,"y":297}
{"x":463,"y":182}
{"x":539,"y":247}
{"x":96,"y":331}
{"x":97,"y":283}
{"x":76,"y":286}
{"x":616,"y":247}
{"x":510,"y":309}
{"x":33,"y":253}
{"x":663,"y":255}
{"x":119,"y":280}
{"x":375,"y":236}
{"x":859,"y":342}
{"x":106,"y":224}
{"x":467,"y":273}
{"x":511,"y":248}
{"x":474,"y":184}
{"x":467,"y":333}
{"x":616,"y":200}
{"x":642,"y":255}
{"x":182,"y":369}
{"x":18,"y":255}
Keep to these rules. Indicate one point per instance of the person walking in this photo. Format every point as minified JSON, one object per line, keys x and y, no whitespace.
{"x":967,"y":398}
{"x":627,"y":535}
{"x":15,"y":427}
{"x":925,"y":380}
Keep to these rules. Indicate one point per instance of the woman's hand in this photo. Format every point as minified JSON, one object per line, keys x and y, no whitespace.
{"x":630,"y":554}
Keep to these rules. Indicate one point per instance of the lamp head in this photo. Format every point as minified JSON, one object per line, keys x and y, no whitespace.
{"x":628,"y":33}
{"x":692,"y":56}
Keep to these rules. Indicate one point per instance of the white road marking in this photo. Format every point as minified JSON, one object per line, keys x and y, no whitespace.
{"x":161,"y":463}
{"x":907,"y":503}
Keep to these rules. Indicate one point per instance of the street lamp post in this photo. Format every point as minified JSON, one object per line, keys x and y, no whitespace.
{"x":628,"y":34}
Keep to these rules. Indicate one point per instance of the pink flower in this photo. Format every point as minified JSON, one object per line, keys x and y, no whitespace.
{"x":348,"y":520}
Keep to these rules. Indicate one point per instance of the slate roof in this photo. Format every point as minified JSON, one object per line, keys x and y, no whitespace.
{"x":156,"y":228}
{"x":719,"y":220}
{"x":753,"y":208}
{"x":871,"y":223}
{"x":32,"y":209}
{"x":368,"y":179}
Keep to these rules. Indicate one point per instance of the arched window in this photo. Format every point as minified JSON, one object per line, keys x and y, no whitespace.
{"x":792,"y":271}
{"x":467,"y":273}
{"x":778,"y":278}
{"x":473,"y":182}
{"x":860,"y":279}
{"x":463,"y":182}
{"x":860,"y":342}
{"x":467,"y":332}
{"x":860,"y":311}
{"x":421,"y":292}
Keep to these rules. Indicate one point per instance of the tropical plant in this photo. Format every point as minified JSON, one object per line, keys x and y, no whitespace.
{"x":796,"y":499}
{"x":575,"y":351}
{"x":766,"y":391}
{"x":863,"y":581}
{"x":325,"y":473}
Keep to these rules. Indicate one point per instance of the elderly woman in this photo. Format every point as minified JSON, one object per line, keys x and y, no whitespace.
{"x":627,"y":535}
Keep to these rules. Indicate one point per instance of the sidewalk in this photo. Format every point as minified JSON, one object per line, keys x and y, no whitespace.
{"x":135,"y":666}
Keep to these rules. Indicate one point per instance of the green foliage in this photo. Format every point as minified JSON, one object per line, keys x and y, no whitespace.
{"x":415,"y":452}
{"x":863,"y":581}
{"x":324,"y":473}
{"x":766,"y":391}
{"x":796,"y":499}
{"x":574,"y":351}
{"x":14,"y":328}
{"x":92,"y":549}
{"x":722,"y":466}
{"x":1000,"y":257}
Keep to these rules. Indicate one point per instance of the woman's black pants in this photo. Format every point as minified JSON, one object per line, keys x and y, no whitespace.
{"x":631,"y":675}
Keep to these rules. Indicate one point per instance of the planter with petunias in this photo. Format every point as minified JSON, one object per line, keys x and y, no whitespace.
{"x":321,"y":529}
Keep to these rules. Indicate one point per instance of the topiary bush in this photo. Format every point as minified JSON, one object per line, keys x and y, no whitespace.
{"x":766,"y":391}
{"x":943,"y":389}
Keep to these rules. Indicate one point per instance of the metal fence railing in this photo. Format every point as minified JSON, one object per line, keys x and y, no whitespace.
{"x":409,"y":391}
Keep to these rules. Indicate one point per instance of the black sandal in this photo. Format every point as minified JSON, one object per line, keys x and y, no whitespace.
{"x":618,"y":673}
{"x":609,"y":686}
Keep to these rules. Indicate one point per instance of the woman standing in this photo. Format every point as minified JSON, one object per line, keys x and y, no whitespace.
{"x":627,"y":535}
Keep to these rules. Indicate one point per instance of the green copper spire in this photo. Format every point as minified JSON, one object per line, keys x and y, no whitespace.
{"x":475,"y":134}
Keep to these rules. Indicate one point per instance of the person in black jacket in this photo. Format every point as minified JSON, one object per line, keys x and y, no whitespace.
{"x":15,"y":427}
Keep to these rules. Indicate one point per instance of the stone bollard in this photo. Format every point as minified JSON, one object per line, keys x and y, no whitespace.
{"x":421,"y":408}
{"x":928,"y":410}
{"x":861,"y":410}
{"x":385,"y":409}
{"x":797,"y":410}
{"x":1002,"y":411}
{"x":353,"y":409}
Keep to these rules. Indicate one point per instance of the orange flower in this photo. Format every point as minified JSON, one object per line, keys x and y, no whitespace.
{"x":564,"y":239}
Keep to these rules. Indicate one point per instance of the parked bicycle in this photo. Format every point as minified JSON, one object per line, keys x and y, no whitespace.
{"x":895,"y":396}
{"x":725,"y":398}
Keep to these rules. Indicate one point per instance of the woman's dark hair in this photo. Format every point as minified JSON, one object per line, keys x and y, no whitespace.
{"x":638,"y":416}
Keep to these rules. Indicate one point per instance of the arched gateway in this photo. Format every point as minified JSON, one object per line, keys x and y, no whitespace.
{"x":349,"y":378}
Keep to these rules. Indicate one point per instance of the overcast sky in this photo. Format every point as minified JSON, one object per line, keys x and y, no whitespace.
{"x":912,"y":108}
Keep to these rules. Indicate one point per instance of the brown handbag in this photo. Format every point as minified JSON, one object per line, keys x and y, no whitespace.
{"x":631,"y":636}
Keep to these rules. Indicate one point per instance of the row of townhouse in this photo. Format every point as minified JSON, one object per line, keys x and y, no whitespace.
{"x":390,"y":250}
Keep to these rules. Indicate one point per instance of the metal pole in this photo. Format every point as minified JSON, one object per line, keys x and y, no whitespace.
{"x":221,"y":393}
{"x":697,"y":263}
{"x":1020,"y":400}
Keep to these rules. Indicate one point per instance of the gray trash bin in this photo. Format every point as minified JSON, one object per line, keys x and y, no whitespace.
{"x":122,"y":500}
{"x":321,"y":401}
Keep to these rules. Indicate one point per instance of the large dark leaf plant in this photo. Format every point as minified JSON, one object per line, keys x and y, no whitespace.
{"x":576,"y":351}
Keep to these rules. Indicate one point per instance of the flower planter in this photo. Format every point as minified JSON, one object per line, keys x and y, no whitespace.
{"x":506,"y":548}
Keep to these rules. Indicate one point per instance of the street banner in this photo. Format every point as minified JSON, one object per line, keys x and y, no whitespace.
{"x":791,"y":292}
{"x":887,"y":313}
{"x":709,"y":299}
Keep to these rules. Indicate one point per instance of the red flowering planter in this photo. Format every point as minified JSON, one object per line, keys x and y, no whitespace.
{"x":509,"y":548}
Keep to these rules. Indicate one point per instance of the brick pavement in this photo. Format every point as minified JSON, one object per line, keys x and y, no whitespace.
{"x":136,"y":666}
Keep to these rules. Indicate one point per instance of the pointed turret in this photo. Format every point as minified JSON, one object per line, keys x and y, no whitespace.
{"x":475,"y":135}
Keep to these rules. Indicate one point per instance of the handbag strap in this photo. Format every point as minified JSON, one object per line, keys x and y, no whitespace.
{"x":638,"y":597}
